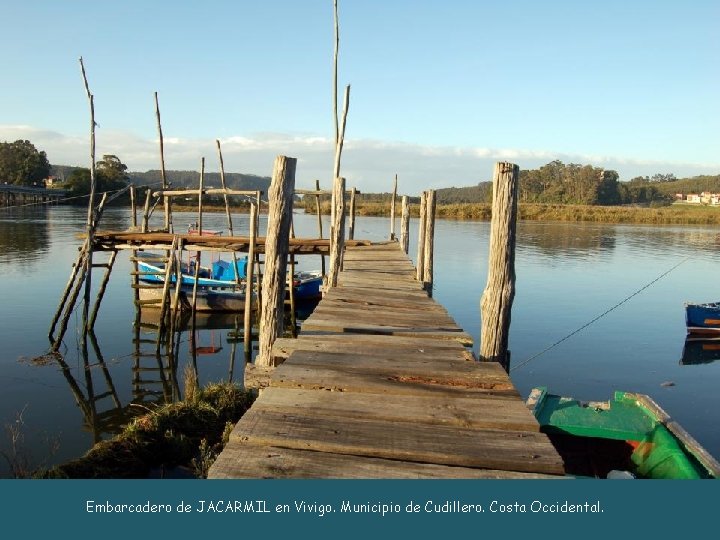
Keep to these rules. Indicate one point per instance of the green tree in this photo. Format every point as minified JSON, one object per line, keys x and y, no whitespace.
{"x":109,"y":176}
{"x":21,"y":163}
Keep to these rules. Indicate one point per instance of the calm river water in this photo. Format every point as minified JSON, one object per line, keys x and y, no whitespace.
{"x":567,"y":275}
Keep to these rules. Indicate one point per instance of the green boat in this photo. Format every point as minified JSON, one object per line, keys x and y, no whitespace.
{"x":629,"y":436}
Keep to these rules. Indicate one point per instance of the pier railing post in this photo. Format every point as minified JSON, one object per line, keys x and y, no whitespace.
{"x":405,"y":225}
{"x":497,"y":299}
{"x":337,"y":240}
{"x":280,"y":200}
{"x":351,"y":227}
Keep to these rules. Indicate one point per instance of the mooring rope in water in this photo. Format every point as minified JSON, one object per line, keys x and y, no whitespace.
{"x":584,"y":326}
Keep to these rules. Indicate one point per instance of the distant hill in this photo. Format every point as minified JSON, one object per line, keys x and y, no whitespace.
{"x":183,"y":179}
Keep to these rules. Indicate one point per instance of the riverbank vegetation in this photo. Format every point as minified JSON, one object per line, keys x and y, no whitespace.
{"x":177,"y":439}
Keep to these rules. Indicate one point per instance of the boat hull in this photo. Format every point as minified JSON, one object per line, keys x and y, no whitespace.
{"x":206,"y":300}
{"x":656,"y":446}
{"x":703,"y":319}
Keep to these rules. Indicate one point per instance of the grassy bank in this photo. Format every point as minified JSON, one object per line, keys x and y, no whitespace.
{"x":186,"y":436}
{"x":676,"y":214}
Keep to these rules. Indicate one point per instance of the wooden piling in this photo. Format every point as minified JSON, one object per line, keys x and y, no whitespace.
{"x":337,"y":240}
{"x":392,"y":210}
{"x":497,"y":299}
{"x":405,"y":225}
{"x":91,"y":204}
{"x":133,"y":208}
{"x":101,"y":290}
{"x":199,"y":233}
{"x":319,"y":220}
{"x":351,"y":228}
{"x":247,"y":326}
{"x":429,"y":238}
{"x":227,"y":209}
{"x":144,"y":227}
{"x":166,"y":201}
{"x":420,"y":268}
{"x":280,"y":199}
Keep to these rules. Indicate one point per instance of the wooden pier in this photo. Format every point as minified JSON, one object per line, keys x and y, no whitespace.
{"x":380,"y":384}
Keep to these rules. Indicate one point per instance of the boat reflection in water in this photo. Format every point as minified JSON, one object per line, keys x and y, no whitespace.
{"x":698,"y":350}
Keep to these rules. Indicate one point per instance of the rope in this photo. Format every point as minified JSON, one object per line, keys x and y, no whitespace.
{"x":606,"y":312}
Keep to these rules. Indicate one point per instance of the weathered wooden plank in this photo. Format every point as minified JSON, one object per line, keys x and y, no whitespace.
{"x":474,"y":412}
{"x":352,"y":379}
{"x":522,"y":451}
{"x":243,"y":460}
{"x":335,"y":326}
{"x":385,"y":317}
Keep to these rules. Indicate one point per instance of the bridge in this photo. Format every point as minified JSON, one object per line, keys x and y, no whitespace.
{"x":12,"y":195}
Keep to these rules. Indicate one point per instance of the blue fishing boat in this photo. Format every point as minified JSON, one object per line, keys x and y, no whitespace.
{"x":702,"y":319}
{"x":221,"y":286}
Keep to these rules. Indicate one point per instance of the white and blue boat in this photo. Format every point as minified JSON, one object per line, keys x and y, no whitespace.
{"x":703,"y":319}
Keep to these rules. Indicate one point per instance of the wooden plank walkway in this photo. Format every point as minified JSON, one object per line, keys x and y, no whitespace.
{"x":379,"y":384}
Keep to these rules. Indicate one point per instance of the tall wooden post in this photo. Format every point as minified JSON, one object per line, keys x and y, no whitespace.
{"x":133,"y":207}
{"x":496,"y":303}
{"x":166,"y":200}
{"x":392,"y":210}
{"x":429,"y":241}
{"x":280,"y":199}
{"x":420,"y":268}
{"x":247,"y":336}
{"x":405,"y":225}
{"x":351,"y":228}
{"x":337,"y":242}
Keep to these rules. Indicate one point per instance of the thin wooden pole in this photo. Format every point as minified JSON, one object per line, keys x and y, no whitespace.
{"x":91,"y":204}
{"x":165,"y":185}
{"x":146,"y":212}
{"x":77,"y":266}
{"x":258,"y":202}
{"x":497,"y":299}
{"x":101,"y":290}
{"x":319,"y":220}
{"x":351,"y":228}
{"x":199,"y":232}
{"x":392,"y":210}
{"x":276,"y":254}
{"x":337,"y":241}
{"x":133,"y":207}
{"x":227,"y":211}
{"x":247,"y":330}
{"x":405,"y":225}
{"x":420,"y":268}
{"x":429,"y":241}
{"x":200,"y":196}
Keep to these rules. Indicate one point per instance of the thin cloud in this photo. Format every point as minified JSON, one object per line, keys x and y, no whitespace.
{"x":368,"y":164}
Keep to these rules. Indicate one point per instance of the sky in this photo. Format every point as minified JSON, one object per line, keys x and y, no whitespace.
{"x":440,"y":89}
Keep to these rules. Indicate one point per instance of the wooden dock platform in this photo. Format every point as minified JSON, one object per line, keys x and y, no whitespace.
{"x":380,"y":384}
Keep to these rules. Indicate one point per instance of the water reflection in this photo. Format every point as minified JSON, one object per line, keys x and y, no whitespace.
{"x":566,"y":239}
{"x":25,"y":235}
{"x":700,"y":351}
{"x":206,"y":342}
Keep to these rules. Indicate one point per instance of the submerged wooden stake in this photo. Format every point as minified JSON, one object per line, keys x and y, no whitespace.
{"x":497,"y":299}
{"x":280,"y":198}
